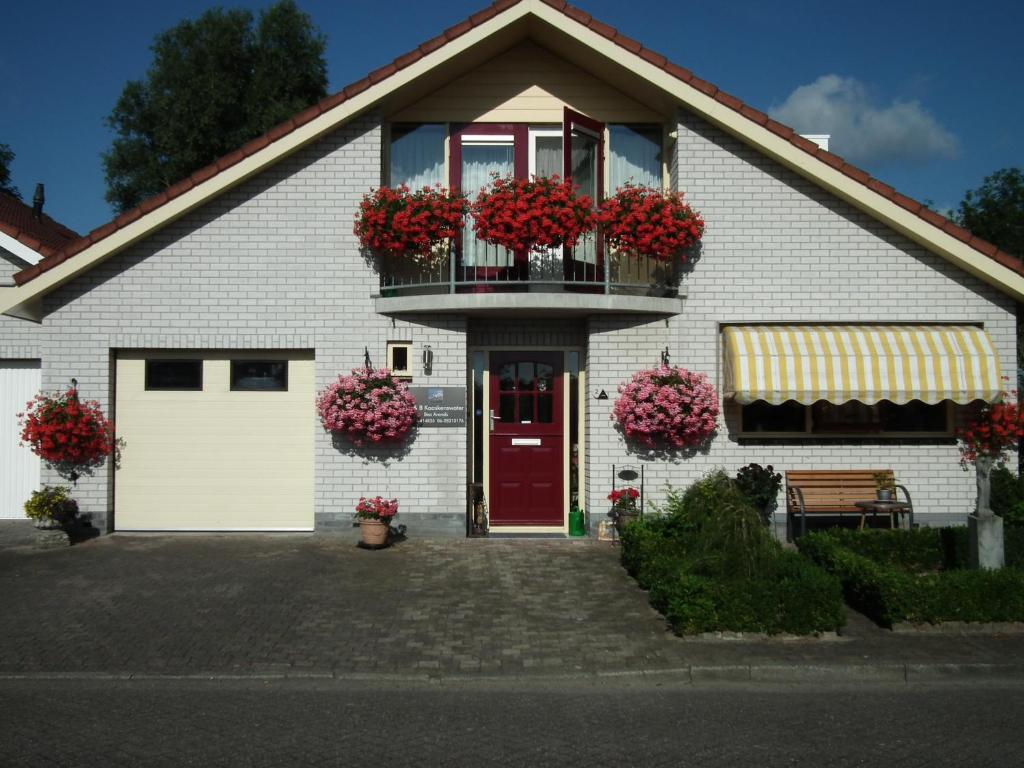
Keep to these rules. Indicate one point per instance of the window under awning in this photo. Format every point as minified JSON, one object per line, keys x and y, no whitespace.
{"x":868,"y":363}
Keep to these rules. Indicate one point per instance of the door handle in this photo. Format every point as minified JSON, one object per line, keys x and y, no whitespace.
{"x":492,"y":419}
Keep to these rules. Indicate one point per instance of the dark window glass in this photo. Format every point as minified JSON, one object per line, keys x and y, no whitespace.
{"x":848,"y":417}
{"x":915,"y":416}
{"x":259,"y":375}
{"x":478,"y":417}
{"x":174,"y":374}
{"x":526,"y":409}
{"x":545,"y":409}
{"x":545,"y":378}
{"x":507,"y":408}
{"x":507,"y":377}
{"x":399,"y":358}
{"x":760,"y":416}
{"x":526,"y":374}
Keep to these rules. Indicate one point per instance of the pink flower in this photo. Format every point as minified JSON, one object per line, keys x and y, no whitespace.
{"x":667,"y":406}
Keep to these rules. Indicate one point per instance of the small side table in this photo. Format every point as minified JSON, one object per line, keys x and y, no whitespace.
{"x":892,"y":508}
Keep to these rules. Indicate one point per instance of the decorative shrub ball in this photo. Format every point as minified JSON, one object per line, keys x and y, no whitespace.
{"x":667,"y":407}
{"x":370,"y":405}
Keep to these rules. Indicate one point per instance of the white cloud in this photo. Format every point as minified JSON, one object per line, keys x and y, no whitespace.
{"x":864,"y":132}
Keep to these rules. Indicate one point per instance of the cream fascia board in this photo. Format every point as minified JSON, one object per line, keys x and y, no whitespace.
{"x":19,"y":249}
{"x":255,"y":163}
{"x":918,"y":230}
{"x":867,"y":200}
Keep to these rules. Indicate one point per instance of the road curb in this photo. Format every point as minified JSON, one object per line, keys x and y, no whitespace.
{"x":696,"y":674}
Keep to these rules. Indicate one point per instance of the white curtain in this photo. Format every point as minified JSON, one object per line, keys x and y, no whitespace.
{"x":635,"y":155}
{"x":417,"y":156}
{"x":549,"y":156}
{"x":479,"y":161}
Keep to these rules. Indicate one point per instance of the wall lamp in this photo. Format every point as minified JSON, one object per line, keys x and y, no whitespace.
{"x":428,"y":360}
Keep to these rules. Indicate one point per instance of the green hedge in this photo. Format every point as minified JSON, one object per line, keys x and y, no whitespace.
{"x":924,"y":549}
{"x":891,"y":576}
{"x":709,"y":564}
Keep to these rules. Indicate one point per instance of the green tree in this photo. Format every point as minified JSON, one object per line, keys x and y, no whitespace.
{"x":6,"y":158}
{"x":995,"y":210}
{"x":214,"y":84}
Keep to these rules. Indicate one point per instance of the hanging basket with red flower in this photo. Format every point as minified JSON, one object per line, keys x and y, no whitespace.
{"x":667,"y":407}
{"x":997,"y":429}
{"x":368,"y":406}
{"x":640,"y":221}
{"x":405,"y":223}
{"x":71,"y":435}
{"x":532,"y":214}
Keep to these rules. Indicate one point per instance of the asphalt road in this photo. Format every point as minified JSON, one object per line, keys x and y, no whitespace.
{"x":331,"y":723}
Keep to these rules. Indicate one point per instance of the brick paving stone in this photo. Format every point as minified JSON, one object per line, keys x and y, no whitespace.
{"x":265,"y":604}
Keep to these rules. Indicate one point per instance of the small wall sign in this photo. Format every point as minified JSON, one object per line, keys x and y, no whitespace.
{"x":440,"y":406}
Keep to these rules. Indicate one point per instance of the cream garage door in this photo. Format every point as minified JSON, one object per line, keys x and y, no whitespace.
{"x":215,"y":441}
{"x":19,"y":467}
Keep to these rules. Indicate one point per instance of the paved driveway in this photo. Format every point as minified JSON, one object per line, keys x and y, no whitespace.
{"x":317,"y":605}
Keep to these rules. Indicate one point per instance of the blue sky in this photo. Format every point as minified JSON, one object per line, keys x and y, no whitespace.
{"x":928,"y":98}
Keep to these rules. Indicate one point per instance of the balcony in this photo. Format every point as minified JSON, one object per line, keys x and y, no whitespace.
{"x":499,"y":282}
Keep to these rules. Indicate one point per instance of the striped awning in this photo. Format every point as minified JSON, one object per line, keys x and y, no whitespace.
{"x":837,"y":363}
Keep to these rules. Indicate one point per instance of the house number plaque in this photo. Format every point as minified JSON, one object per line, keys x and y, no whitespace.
{"x":440,"y":406}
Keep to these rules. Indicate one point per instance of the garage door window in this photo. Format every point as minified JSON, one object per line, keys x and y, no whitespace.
{"x":177,"y":375}
{"x":259,"y":375}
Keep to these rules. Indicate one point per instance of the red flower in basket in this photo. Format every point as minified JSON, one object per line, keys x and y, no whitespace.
{"x":532,"y":214}
{"x":400,"y":222}
{"x":640,"y":221}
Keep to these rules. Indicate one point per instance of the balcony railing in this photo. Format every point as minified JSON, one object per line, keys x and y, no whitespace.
{"x":494,"y":270}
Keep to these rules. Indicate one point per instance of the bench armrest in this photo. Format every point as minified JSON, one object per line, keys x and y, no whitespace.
{"x":907,"y":494}
{"x":799,"y":498}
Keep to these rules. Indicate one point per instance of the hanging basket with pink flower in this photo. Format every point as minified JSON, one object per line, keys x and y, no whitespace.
{"x":369,"y":406}
{"x":667,"y":407}
{"x":643,"y":222}
{"x":410,"y":223}
{"x":532,"y":214}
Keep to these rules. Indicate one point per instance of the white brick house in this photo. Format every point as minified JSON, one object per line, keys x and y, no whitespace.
{"x":253,"y":262}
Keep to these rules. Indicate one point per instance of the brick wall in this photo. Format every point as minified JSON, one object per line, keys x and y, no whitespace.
{"x":778,"y":249}
{"x":272,"y":264}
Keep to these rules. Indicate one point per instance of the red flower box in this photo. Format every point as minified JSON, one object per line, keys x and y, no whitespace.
{"x":400,"y":222}
{"x":640,"y":221}
{"x":532,"y":214}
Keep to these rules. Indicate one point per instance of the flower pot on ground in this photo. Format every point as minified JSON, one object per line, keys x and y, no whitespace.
{"x":624,"y":506}
{"x":375,"y":516}
{"x":51,"y":507}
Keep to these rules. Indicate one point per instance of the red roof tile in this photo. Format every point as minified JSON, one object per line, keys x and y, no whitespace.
{"x":43,"y":235}
{"x":632,"y":46}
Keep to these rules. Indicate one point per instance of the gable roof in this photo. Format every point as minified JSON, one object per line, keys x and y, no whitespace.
{"x":44,"y":235}
{"x":750,"y":125}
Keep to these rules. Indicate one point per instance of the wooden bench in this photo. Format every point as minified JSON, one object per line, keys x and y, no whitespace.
{"x":835,"y":492}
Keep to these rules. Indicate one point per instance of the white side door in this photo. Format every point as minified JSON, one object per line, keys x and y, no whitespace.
{"x":19,"y":467}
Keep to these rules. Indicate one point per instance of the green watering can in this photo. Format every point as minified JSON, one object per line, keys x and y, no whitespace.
{"x":576,"y":525}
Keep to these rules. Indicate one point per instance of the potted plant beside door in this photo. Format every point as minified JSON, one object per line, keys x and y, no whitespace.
{"x":375,"y":516}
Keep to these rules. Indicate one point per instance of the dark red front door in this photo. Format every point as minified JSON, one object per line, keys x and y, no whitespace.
{"x":526,"y":439}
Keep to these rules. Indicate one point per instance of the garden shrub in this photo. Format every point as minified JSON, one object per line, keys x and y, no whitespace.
{"x":709,"y":564}
{"x":923,"y":588}
{"x":1006,"y":490}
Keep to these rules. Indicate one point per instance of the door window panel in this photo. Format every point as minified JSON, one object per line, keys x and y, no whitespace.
{"x":480,"y":161}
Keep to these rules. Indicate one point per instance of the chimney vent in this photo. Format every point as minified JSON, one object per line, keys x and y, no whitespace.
{"x":37,"y":202}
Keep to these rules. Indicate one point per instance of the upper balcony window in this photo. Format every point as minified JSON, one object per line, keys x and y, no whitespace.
{"x":417,"y":155}
{"x":635,"y":155}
